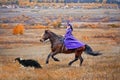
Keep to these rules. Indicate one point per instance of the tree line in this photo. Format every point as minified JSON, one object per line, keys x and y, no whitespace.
{"x":62,"y":1}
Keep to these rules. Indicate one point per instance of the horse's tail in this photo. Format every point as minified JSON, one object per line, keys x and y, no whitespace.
{"x":89,"y":51}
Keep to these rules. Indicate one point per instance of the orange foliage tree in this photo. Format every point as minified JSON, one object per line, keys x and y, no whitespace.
{"x":18,"y":29}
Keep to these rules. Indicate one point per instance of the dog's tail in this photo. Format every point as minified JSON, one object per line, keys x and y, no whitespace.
{"x":38,"y":65}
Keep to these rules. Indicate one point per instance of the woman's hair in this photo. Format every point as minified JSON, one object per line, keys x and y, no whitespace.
{"x":68,"y":23}
{"x":70,"y":26}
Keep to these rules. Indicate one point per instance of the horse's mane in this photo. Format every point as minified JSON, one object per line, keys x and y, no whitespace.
{"x":55,"y":35}
{"x":52,"y":33}
{"x":59,"y":37}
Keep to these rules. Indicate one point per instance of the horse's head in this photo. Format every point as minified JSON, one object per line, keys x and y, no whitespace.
{"x":45,"y":36}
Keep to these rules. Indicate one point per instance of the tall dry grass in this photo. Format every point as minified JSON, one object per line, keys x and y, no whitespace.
{"x":93,"y":68}
{"x":90,"y":25}
{"x":103,"y":67}
{"x":39,"y":26}
{"x":114,"y":25}
{"x":57,"y":23}
{"x":4,"y":26}
{"x":76,"y":25}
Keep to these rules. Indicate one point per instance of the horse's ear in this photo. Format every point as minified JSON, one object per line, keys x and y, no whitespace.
{"x":46,"y":31}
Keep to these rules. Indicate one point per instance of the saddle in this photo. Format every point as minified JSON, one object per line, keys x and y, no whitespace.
{"x":61,"y":39}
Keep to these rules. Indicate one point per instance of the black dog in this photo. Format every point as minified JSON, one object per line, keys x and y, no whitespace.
{"x":28,"y":63}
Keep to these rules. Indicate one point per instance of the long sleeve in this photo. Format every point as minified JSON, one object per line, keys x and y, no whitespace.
{"x":68,"y":32}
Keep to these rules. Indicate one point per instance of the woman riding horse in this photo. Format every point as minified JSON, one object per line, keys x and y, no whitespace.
{"x":69,"y":40}
{"x":72,"y":45}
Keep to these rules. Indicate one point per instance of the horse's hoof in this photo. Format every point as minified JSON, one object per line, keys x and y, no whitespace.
{"x":46,"y":62}
{"x":56,"y":59}
{"x":69,"y":64}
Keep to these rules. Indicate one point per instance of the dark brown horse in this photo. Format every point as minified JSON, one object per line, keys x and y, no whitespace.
{"x":57,"y":46}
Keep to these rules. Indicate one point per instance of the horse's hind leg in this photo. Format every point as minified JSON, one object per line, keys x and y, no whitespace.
{"x":81,"y":60}
{"x":80,"y":57}
{"x":75,"y":59}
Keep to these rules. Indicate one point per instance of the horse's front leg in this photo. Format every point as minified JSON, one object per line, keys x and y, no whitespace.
{"x":75,"y":59}
{"x":52,"y":54}
{"x":47,"y":60}
{"x":55,"y":59}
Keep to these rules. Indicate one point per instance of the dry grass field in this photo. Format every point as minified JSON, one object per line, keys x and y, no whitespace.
{"x":101,"y":36}
{"x":103,"y":67}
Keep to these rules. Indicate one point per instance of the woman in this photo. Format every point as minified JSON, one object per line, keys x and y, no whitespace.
{"x":70,"y":41}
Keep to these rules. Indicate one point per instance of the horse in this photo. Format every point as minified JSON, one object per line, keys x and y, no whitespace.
{"x":57,"y":46}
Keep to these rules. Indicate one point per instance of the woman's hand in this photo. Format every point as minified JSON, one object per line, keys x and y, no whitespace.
{"x":68,"y":27}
